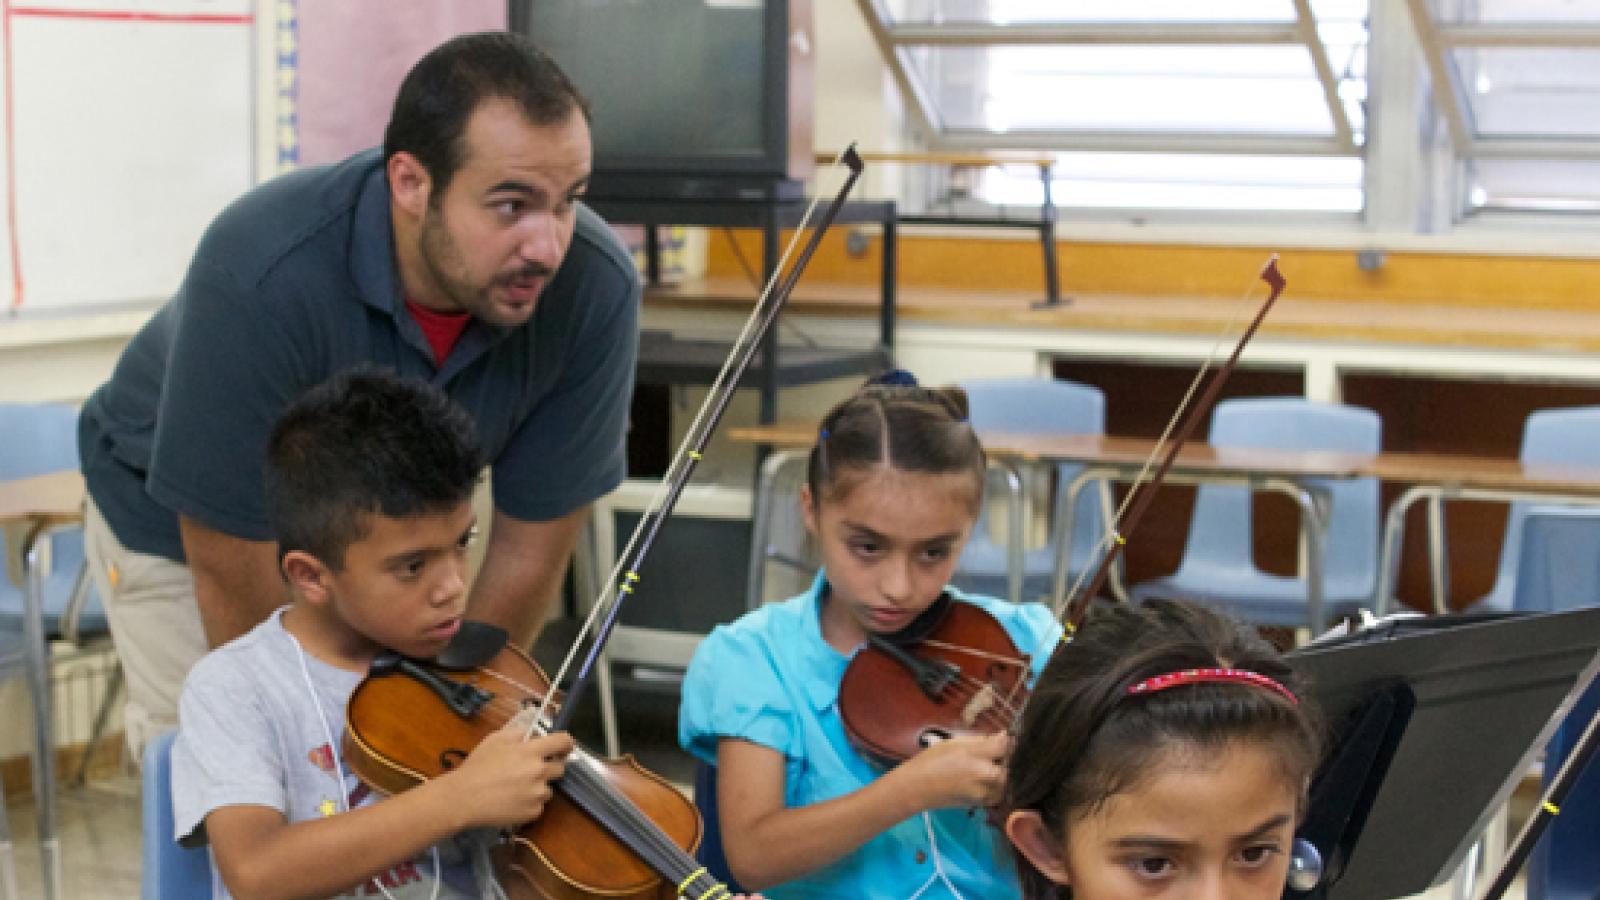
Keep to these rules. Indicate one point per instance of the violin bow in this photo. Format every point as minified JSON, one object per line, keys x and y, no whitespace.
{"x":624,"y":578}
{"x":1138,"y":500}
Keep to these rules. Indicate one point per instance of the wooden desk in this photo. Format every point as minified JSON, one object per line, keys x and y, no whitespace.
{"x":1432,"y":477}
{"x":1295,"y":474}
{"x":43,"y":501}
{"x":1435,"y":478}
{"x":1194,"y":458}
{"x":39,"y":504}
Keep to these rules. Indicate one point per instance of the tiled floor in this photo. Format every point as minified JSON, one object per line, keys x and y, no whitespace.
{"x":100,"y":839}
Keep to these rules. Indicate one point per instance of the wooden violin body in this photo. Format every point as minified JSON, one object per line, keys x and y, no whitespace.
{"x":403,"y":729}
{"x":955,"y":671}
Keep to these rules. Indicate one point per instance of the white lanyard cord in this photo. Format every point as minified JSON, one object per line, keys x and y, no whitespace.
{"x":338,"y":770}
{"x":938,"y":865}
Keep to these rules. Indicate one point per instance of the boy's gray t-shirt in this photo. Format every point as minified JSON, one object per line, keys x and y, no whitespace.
{"x":250,"y":734}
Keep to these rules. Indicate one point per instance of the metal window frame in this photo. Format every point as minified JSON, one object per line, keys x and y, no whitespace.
{"x":1437,"y":40}
{"x":895,"y":40}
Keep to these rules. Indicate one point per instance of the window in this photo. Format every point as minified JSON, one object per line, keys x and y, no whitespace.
{"x":1520,"y":91}
{"x":1229,"y":104}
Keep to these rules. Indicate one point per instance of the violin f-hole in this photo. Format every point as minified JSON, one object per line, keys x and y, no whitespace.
{"x":451,"y":757}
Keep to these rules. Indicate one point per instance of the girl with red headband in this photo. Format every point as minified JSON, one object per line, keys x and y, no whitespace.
{"x":1166,"y":751}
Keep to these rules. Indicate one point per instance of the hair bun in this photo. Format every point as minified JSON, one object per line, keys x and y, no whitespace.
{"x":897,"y":377}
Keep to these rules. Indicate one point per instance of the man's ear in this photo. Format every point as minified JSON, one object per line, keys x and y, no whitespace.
{"x":307,"y":576}
{"x":409,"y":183}
{"x":1033,"y":839}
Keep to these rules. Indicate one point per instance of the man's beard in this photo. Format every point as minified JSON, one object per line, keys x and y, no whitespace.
{"x":441,"y":256}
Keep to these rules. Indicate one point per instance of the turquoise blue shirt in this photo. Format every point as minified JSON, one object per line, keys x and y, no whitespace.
{"x":771,"y":679}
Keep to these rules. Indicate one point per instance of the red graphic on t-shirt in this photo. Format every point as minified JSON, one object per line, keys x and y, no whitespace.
{"x":322,"y":758}
{"x":405,"y":873}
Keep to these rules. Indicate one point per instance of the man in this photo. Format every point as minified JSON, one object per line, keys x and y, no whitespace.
{"x":459,"y":255}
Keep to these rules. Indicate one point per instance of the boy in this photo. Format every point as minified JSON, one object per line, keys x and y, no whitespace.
{"x":369,"y":481}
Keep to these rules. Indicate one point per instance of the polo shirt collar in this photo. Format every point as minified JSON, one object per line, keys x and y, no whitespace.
{"x":372,"y":259}
{"x":826,"y":664}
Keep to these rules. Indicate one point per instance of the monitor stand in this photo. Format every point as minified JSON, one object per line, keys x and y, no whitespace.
{"x":1432,"y":723}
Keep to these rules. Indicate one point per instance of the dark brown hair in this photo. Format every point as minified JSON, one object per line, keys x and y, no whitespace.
{"x":1084,"y":739}
{"x":892,"y":421}
{"x":365,"y":442}
{"x":444,"y":88}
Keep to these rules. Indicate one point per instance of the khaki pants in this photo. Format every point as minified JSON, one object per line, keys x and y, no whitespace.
{"x":155,"y":625}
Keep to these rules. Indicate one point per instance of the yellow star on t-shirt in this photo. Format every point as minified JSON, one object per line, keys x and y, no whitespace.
{"x":327,"y":808}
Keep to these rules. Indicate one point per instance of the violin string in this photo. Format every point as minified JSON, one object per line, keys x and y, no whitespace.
{"x":966,"y":687}
{"x":669,"y":859}
{"x":756,"y":325}
{"x":977,"y":685}
{"x":1001,"y":704}
{"x":974,"y":651}
{"x":1114,"y":535}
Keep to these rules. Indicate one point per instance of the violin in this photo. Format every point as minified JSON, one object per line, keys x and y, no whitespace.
{"x":953,"y":671}
{"x":612,"y":829}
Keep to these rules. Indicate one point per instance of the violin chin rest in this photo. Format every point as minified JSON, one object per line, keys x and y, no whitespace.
{"x":473,"y":646}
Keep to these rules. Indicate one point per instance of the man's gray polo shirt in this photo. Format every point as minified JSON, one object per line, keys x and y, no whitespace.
{"x":296,"y":281}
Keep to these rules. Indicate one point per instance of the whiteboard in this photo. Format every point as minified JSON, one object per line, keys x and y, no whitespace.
{"x":131,"y":126}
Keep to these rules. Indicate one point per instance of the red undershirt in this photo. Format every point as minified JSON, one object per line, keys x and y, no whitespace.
{"x":441,"y":329}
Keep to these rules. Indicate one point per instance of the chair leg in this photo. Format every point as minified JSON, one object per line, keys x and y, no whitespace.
{"x":8,"y":860}
{"x":113,"y":689}
{"x":44,"y":761}
{"x":72,"y":614}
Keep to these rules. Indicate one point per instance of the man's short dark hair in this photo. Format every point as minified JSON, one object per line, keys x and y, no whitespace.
{"x":439,"y":94}
{"x":366,"y":441}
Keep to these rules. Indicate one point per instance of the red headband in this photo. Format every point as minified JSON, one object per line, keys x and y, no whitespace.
{"x":1198,"y":676}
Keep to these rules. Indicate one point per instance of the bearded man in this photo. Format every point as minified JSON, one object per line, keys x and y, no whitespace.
{"x":458,"y":254}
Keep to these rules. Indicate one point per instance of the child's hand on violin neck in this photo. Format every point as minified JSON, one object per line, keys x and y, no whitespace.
{"x":967,"y":770}
{"x":505,"y":780}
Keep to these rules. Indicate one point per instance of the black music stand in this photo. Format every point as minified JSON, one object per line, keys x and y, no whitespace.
{"x":1434,"y":722}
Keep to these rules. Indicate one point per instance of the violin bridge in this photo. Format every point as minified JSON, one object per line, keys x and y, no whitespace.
{"x":981,"y":702}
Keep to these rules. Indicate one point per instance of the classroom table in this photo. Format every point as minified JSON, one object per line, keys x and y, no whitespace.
{"x":39,"y":504}
{"x":1433,"y":478}
{"x":1436,"y":477}
{"x":1298,"y":474}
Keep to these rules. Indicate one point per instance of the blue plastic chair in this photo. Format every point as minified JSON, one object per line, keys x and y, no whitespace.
{"x":710,"y":852}
{"x":1558,"y":568}
{"x":171,"y":872}
{"x":1035,"y":406}
{"x":1569,"y":435}
{"x":43,"y":438}
{"x":1218,"y":559}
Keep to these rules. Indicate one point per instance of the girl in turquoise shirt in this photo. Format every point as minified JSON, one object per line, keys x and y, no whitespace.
{"x":893,"y":489}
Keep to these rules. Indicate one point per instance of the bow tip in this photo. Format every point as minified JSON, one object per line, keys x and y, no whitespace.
{"x":1272,"y":276}
{"x":852,"y":158}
